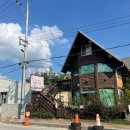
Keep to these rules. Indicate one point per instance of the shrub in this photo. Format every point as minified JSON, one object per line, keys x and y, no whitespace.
{"x":42,"y":114}
{"x":93,"y":105}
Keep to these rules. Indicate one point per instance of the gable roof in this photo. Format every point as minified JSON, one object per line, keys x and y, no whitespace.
{"x":81,"y":34}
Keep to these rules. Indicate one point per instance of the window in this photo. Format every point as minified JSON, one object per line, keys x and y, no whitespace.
{"x":87,"y":69}
{"x":3,"y":97}
{"x":86,"y":50}
{"x":103,"y":67}
{"x":62,"y":98}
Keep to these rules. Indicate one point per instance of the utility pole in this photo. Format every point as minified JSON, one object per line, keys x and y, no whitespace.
{"x":22,"y":109}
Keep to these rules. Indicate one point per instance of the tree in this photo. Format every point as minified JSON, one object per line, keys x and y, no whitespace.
{"x":50,"y":77}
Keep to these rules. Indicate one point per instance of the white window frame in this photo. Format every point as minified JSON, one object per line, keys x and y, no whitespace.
{"x":88,"y":50}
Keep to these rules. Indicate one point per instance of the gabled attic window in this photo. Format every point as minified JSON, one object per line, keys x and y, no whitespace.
{"x":86,"y":50}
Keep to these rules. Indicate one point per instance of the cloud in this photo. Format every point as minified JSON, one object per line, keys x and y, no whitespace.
{"x":40,"y":39}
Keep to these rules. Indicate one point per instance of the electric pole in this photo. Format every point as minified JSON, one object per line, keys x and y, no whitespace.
{"x":22,"y":110}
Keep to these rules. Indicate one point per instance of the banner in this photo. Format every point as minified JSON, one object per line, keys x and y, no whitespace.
{"x":37,"y":82}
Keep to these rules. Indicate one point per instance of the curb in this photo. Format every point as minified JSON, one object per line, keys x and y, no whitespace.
{"x":61,"y":125}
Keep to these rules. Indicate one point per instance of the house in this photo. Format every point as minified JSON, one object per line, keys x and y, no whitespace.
{"x":94,"y":70}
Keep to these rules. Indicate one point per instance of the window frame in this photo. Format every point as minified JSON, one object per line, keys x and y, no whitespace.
{"x":84,"y":53}
{"x":110,"y":67}
{"x":87,"y":65}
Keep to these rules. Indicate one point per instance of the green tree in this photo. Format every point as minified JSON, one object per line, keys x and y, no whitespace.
{"x":50,"y":77}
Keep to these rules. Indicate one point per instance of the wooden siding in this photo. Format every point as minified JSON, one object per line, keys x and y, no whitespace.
{"x":87,"y":81}
{"x":75,"y":82}
{"x":106,"y":80}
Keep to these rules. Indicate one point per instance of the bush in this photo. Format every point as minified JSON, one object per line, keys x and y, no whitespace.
{"x":93,"y":105}
{"x":42,"y":114}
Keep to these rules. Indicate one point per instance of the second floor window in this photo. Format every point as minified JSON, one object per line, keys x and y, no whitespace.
{"x":86,"y":50}
{"x":105,"y":67}
{"x":87,"y":69}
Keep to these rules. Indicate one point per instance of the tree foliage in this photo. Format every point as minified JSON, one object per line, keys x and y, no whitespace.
{"x":50,"y":77}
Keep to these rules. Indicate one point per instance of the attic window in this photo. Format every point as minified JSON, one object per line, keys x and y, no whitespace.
{"x":86,"y":50}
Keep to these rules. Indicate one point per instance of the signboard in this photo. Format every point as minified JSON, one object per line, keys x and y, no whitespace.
{"x":37,"y":82}
{"x":28,"y":114}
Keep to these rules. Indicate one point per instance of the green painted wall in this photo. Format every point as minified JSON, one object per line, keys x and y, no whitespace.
{"x":76,"y":95}
{"x":107,"y":97}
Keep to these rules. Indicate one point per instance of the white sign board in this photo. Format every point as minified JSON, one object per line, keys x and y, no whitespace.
{"x":27,"y":114}
{"x":37,"y":82}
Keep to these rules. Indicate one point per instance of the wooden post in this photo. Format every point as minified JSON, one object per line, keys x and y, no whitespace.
{"x":80,"y":85}
{"x":96,"y":77}
{"x":115,"y":86}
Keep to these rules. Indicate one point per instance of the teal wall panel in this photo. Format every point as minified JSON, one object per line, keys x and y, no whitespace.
{"x":107,"y":97}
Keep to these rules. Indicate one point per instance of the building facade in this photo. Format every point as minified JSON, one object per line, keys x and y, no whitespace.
{"x":94,"y":70}
{"x":10,"y":97}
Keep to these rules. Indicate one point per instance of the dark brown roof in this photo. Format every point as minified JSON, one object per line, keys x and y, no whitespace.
{"x":73,"y":51}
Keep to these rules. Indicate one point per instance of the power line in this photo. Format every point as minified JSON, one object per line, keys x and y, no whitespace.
{"x":6,"y":7}
{"x":74,"y":54}
{"x":4,"y":4}
{"x":102,"y":22}
{"x":63,"y":56}
{"x":11,"y":71}
{"x":93,"y":26}
{"x":43,"y":53}
{"x":9,"y":10}
{"x":90,"y":31}
{"x":3,"y":67}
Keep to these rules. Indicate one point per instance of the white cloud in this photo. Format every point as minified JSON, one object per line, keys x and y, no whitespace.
{"x":40,"y":39}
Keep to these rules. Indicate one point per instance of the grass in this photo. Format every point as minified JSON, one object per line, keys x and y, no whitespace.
{"x":119,"y":121}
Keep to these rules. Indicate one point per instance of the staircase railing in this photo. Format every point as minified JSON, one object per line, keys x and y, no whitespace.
{"x":47,"y":104}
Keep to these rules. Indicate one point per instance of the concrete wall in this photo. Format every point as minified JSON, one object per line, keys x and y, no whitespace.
{"x":13,"y":89}
{"x":10,"y":110}
{"x":65,"y":96}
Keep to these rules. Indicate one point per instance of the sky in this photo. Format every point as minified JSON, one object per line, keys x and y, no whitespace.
{"x":53,"y":25}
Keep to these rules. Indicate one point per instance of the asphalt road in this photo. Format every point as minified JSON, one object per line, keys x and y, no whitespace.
{"x":4,"y":126}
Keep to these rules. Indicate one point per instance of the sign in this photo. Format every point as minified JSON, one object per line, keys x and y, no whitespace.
{"x":37,"y":82}
{"x":28,"y":114}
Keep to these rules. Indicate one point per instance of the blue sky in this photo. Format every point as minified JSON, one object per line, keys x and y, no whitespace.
{"x":58,"y":21}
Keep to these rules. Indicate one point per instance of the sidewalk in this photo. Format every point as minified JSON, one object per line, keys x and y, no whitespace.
{"x":62,"y":123}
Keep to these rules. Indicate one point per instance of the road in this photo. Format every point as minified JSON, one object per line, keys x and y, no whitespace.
{"x":4,"y":126}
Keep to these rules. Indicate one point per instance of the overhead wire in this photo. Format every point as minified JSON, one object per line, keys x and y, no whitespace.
{"x":119,"y":46}
{"x":7,"y":66}
{"x":85,"y":30}
{"x":8,"y":10}
{"x":6,"y":73}
{"x":63,"y":56}
{"x":100,"y":29}
{"x":74,"y":54}
{"x":39,"y":51}
{"x":89,"y":28}
{"x":4,"y":4}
